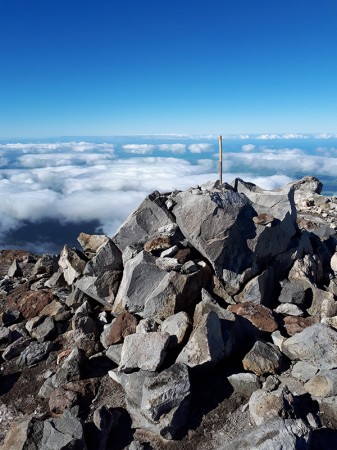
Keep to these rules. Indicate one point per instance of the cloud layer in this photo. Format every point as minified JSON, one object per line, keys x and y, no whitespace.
{"x":85,"y":181}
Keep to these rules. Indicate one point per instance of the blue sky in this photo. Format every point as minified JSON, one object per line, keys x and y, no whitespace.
{"x":80,"y":67}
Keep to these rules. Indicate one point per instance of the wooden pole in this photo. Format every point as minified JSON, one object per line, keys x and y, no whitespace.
{"x":220,"y":159}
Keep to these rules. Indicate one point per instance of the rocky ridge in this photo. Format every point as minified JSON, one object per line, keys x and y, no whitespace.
{"x":209,"y":321}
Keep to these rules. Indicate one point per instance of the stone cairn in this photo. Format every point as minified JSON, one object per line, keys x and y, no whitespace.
{"x":124,"y":336}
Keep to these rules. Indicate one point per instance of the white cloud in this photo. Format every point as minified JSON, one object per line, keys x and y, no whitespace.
{"x":200,"y":148}
{"x":71,"y":182}
{"x":248,"y":147}
{"x":139,"y":149}
{"x":173,"y":148}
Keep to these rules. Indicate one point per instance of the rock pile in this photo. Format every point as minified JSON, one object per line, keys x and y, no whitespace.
{"x":118,"y":345}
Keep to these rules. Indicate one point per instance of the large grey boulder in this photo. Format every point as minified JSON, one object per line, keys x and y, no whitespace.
{"x":205,"y":346}
{"x":107,"y":258}
{"x":144,"y":222}
{"x":176,"y":292}
{"x":102,"y":288}
{"x":220,"y":225}
{"x":158,"y":402}
{"x":145,"y":351}
{"x":147,"y":290}
{"x":140,"y":278}
{"x":316,"y":344}
{"x":275,"y":434}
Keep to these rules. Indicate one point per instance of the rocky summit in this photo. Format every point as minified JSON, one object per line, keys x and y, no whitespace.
{"x":208,"y":321}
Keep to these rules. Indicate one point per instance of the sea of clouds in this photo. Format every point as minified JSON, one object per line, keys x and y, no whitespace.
{"x":80,"y":181}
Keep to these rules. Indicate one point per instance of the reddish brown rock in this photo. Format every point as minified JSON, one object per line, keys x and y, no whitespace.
{"x":124,"y":325}
{"x":295,"y":325}
{"x":31,"y":303}
{"x":53,"y":309}
{"x":259,"y":316}
{"x":158,"y":244}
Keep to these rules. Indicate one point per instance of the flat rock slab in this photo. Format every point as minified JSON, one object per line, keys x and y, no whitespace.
{"x":316,"y":344}
{"x":258,"y":315}
{"x":144,"y":351}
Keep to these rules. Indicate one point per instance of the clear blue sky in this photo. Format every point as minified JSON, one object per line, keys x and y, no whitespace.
{"x":108,"y":67}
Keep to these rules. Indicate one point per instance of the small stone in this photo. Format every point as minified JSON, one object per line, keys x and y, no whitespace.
{"x":124,"y":325}
{"x":169,"y":252}
{"x":34,"y":353}
{"x":295,"y":325}
{"x":264,"y":405}
{"x":178,"y":327}
{"x":289,"y":309}
{"x":15,"y":270}
{"x":189,"y":267}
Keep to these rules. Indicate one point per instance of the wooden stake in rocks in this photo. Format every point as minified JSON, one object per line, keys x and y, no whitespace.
{"x":220,"y":159}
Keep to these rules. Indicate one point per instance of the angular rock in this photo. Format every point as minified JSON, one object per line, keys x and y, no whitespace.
{"x":323,"y":304}
{"x":177,"y":326}
{"x":140,"y":278}
{"x":158,"y":402}
{"x":303,"y":371}
{"x":263,"y":358}
{"x":16,"y":348}
{"x":114,"y":352}
{"x":143,"y":223}
{"x":289,"y":309}
{"x":244,"y":383}
{"x":25,"y":434}
{"x":124,"y":324}
{"x":102,"y":288}
{"x":34,"y":353}
{"x":276,"y":434}
{"x":316,"y":344}
{"x":91,"y":242}
{"x":258,"y":290}
{"x":45,"y":331}
{"x":72,"y":261}
{"x":56,"y":280}
{"x":144,"y":351}
{"x":64,"y":432}
{"x":176,"y":292}
{"x":324,"y":384}
{"x":205,"y":346}
{"x":295,"y":291}
{"x":15,"y":270}
{"x":70,"y":370}
{"x":264,"y":405}
{"x":295,"y":325}
{"x":258,"y":315}
{"x":47,"y":264}
{"x":107,"y":258}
